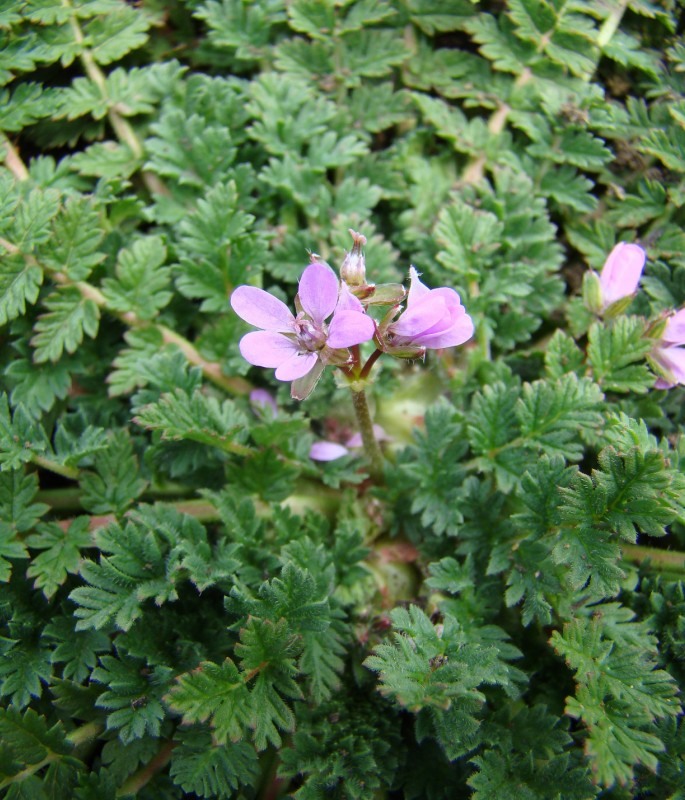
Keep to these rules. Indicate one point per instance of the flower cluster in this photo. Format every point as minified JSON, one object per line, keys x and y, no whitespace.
{"x":332,"y":320}
{"x":610,"y":294}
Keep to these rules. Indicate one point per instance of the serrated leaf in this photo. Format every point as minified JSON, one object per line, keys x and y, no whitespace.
{"x":60,"y":553}
{"x":617,"y":354}
{"x":198,"y":418}
{"x":20,"y":282}
{"x":141,"y":281}
{"x":115,"y":482}
{"x":21,"y":438}
{"x":70,"y":315}
{"x":201,"y":767}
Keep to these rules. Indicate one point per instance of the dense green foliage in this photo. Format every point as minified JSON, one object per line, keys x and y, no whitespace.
{"x":189,"y":605}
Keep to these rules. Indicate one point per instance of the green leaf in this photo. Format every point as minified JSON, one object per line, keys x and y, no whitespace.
{"x":18,"y":514}
{"x":70,"y":315}
{"x":217,"y":693}
{"x":617,"y":354}
{"x":74,"y":248}
{"x":439,"y":671}
{"x":141,"y":562}
{"x":113,"y":35}
{"x":21,"y":438}
{"x":20,"y":282}
{"x":198,"y":418}
{"x":552,"y":413}
{"x":76,"y":650}
{"x":37,"y":390}
{"x":28,"y":737}
{"x":216,"y":248}
{"x":620,"y":694}
{"x":61,"y":553}
{"x":116,"y":482}
{"x":141,"y":281}
{"x":24,"y":667}
{"x":201,"y":767}
{"x":132,"y":697}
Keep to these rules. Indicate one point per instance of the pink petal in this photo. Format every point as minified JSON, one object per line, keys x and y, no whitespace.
{"x":347,"y":301}
{"x":356,"y":439}
{"x":297,"y":366}
{"x":621,"y":272}
{"x":262,"y":309}
{"x":350,"y":327}
{"x":327,"y":451}
{"x":266,"y":348}
{"x":423,"y":315}
{"x":458,"y":333}
{"x":675,"y":328}
{"x":417,"y":290}
{"x":318,"y":291}
{"x":260,"y":400}
{"x":672,"y":359}
{"x":662,"y":383}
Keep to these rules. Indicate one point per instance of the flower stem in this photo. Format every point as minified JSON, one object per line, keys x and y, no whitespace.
{"x":661,"y":560}
{"x":370,"y":361}
{"x":371,"y":446}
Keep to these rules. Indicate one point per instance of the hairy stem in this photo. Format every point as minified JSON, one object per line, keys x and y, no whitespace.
{"x":371,"y":446}
{"x":120,"y":125}
{"x":144,"y":775}
{"x":72,"y":473}
{"x":663,"y":560}
{"x":210,"y":369}
{"x":13,"y":160}
{"x":77,"y":737}
{"x":370,"y":361}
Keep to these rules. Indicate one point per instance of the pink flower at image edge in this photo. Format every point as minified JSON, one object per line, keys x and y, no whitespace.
{"x":293,"y":344}
{"x":669,"y":354}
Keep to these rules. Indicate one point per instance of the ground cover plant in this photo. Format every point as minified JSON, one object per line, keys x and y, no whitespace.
{"x":341,"y":400}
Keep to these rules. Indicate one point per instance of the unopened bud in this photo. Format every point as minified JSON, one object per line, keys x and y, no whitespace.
{"x":592,"y":292}
{"x":353,"y":269}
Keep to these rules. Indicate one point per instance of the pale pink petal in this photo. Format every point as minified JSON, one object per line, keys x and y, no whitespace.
{"x":461,"y":331}
{"x":380,"y":435}
{"x":350,"y":327}
{"x":417,"y":290}
{"x":672,"y":359}
{"x":266,"y":348}
{"x":260,"y":400}
{"x":347,"y":301}
{"x":318,"y":291}
{"x":675,"y":328}
{"x":421,"y":316}
{"x":621,"y":272}
{"x":296,"y":366}
{"x":662,"y":383}
{"x":327,"y":451}
{"x":261,"y":309}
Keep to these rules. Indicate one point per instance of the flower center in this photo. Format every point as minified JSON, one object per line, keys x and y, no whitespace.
{"x":308,"y":335}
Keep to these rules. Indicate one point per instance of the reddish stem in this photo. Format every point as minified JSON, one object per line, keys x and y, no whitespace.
{"x":370,"y":361}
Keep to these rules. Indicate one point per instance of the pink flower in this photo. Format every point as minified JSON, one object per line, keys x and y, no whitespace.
{"x":433,"y":318}
{"x":621,"y":273}
{"x":330,"y":451}
{"x":296,"y":345}
{"x":669,"y":354}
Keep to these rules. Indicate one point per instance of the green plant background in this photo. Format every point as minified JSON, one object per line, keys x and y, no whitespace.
{"x":190,"y":607}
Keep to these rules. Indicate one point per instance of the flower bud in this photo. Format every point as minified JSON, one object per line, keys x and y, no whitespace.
{"x":592,"y":292}
{"x":353,"y":269}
